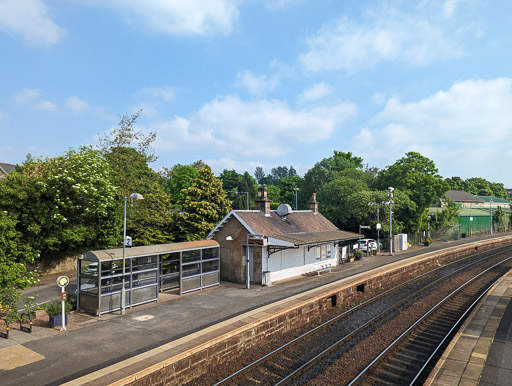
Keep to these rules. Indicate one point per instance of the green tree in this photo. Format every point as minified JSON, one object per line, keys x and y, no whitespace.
{"x":234,"y":182}
{"x":456,"y":183}
{"x":416,"y":176}
{"x":498,"y":190}
{"x":478,"y":186}
{"x":178,"y":178}
{"x":205,"y":204}
{"x":449,"y":215}
{"x":288,"y":190}
{"x":499,"y":218}
{"x":259,"y":174}
{"x":15,"y":254}
{"x":63,"y":205}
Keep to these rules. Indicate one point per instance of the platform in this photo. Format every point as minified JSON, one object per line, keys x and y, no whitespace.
{"x":481,"y":352}
{"x":113,"y":347}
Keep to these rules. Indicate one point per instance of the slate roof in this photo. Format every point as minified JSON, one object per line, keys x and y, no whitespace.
{"x":299,"y":227}
{"x":7,"y":168}
{"x":462,"y":196}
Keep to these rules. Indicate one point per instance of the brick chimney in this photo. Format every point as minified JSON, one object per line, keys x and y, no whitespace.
{"x":313,"y":205}
{"x":263,"y":203}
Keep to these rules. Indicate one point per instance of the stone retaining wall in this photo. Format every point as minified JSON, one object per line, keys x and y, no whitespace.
{"x":195,"y":362}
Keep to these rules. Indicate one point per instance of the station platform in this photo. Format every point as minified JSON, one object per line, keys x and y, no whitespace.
{"x":111,"y":348}
{"x":481,"y":352}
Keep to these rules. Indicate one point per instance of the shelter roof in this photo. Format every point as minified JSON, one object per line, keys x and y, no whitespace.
{"x":115,"y":254}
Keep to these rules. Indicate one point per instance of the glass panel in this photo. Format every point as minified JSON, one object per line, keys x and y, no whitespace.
{"x":89,"y":268}
{"x":144,"y":278}
{"x":169,"y":267}
{"x":89,"y":285}
{"x":191,"y":269}
{"x":209,"y":253}
{"x":191,"y":256}
{"x":170,"y":256}
{"x":209,"y":266}
{"x":113,"y":284}
{"x":142,"y":263}
{"x":112,"y":268}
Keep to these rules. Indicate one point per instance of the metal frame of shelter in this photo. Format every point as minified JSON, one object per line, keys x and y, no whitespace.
{"x":186,"y":266}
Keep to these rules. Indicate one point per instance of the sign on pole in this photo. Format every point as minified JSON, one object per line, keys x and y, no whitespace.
{"x":62,"y":282}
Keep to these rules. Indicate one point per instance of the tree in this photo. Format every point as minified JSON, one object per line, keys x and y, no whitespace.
{"x":259,"y":174}
{"x":498,"y":190}
{"x":478,"y":186}
{"x":288,"y":190}
{"x":418,"y":177}
{"x":456,"y":183}
{"x":63,"y":205}
{"x":178,"y":178}
{"x":129,"y":152}
{"x":234,"y":182}
{"x":205,"y":204}
{"x":449,"y":215}
{"x":499,"y":218}
{"x":14,"y":257}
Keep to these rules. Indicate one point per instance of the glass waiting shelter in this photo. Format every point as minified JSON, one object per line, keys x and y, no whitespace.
{"x":183,"y":267}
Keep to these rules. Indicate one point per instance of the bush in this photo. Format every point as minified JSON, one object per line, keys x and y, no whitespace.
{"x":358,"y":254}
{"x":55,"y":307}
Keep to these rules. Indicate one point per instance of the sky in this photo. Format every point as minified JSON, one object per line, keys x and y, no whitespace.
{"x":246,"y":83}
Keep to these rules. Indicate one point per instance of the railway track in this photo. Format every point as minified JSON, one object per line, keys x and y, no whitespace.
{"x":297,"y":361}
{"x":407,"y":359}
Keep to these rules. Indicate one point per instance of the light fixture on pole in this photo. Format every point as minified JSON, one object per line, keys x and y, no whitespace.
{"x":391,"y":189}
{"x":428,"y":226}
{"x":490,"y":207}
{"x":296,"y":190}
{"x":133,"y":196}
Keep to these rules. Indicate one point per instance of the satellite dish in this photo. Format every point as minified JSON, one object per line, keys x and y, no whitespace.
{"x":284,"y":210}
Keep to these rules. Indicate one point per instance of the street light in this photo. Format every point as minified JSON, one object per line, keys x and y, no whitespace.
{"x":390,"y":221}
{"x":133,"y":196}
{"x":428,"y":226}
{"x":296,"y":190}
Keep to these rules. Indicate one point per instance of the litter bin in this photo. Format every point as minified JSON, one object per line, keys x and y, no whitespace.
{"x":266,"y":279}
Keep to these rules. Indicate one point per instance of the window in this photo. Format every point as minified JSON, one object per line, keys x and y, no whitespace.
{"x":191,"y":269}
{"x":143,"y":263}
{"x":112,"y":268}
{"x":318,"y":253}
{"x":89,"y":268}
{"x":209,"y":266}
{"x":88,"y":285}
{"x":144,"y":278}
{"x":210,"y":253}
{"x":191,"y":256}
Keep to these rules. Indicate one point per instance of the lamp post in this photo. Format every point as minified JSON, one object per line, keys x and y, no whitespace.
{"x":237,"y":192}
{"x":133,"y":196}
{"x":296,"y":190}
{"x":490,"y":207}
{"x":428,"y":226}
{"x":378,"y":225}
{"x":391,"y":189}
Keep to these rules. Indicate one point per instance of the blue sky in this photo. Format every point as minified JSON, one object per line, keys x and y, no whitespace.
{"x":246,"y":83}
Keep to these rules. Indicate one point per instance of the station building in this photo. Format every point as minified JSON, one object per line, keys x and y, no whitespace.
{"x":279,"y":243}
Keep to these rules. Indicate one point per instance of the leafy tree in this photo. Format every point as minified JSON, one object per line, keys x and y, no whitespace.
{"x":499,"y":218}
{"x":478,"y":186}
{"x":498,"y":190}
{"x":259,"y":174}
{"x":233,"y":182}
{"x":15,"y":254}
{"x":456,"y":183}
{"x":205,"y":204}
{"x":416,"y":176}
{"x":129,"y":152}
{"x":178,"y":178}
{"x":288,"y":190}
{"x":63,"y":205}
{"x":449,"y":215}
{"x":274,"y":195}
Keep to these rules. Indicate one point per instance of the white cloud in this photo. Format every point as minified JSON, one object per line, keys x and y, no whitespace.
{"x":46,"y":105}
{"x":26,"y":95}
{"x":165,"y":94}
{"x":76,"y":105}
{"x":467,"y":130}
{"x":382,"y":35}
{"x":317,"y":91}
{"x":256,"y":85}
{"x":263,"y":128}
{"x":30,"y":19}
{"x":178,"y":17}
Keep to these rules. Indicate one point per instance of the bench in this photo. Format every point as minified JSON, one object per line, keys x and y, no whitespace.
{"x":323,"y":267}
